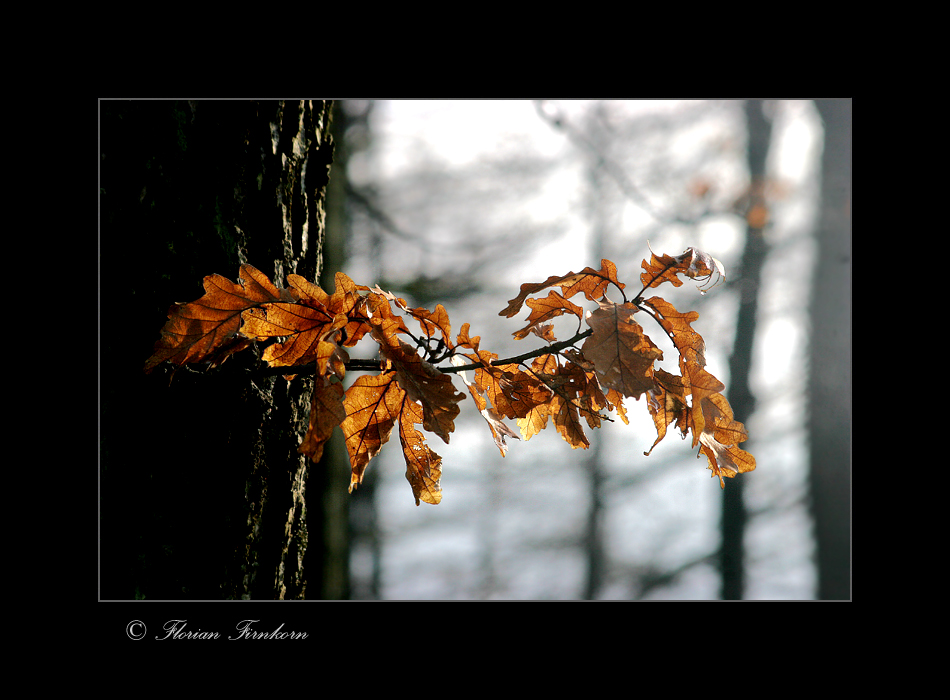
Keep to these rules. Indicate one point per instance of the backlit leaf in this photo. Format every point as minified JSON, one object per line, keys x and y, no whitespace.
{"x":567,"y":384}
{"x":546,"y":308}
{"x":698,"y":383}
{"x":592,"y":283}
{"x":623,"y":356}
{"x":559,"y":383}
{"x":725,"y":460}
{"x":423,"y":466}
{"x":309,"y":325}
{"x":668,"y":405}
{"x":372,"y":406}
{"x":480,"y":391}
{"x":692,"y":263}
{"x":206,"y":330}
{"x":423,"y":382}
{"x":326,"y":412}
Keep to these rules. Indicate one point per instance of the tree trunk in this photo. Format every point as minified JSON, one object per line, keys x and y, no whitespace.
{"x":830,"y":368}
{"x":731,"y":560}
{"x":332,"y":553}
{"x":202,"y":492}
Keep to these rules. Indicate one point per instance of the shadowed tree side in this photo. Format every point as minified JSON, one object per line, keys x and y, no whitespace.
{"x":202,"y":492}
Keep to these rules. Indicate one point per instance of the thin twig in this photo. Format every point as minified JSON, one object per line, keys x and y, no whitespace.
{"x":549,"y":350}
{"x":361,"y":365}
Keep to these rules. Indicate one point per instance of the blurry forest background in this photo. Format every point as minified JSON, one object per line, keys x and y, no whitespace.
{"x":459,"y":203}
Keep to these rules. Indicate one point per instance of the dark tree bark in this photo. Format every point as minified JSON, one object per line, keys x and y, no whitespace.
{"x":202,"y":492}
{"x":830,"y":366}
{"x":731,"y":555}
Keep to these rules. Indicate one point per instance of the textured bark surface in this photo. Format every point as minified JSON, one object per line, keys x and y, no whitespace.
{"x":202,"y":492}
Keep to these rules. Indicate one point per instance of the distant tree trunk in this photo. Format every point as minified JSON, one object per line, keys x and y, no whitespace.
{"x":331,"y":554}
{"x":600,"y":211}
{"x":731,"y":561}
{"x":202,"y":492}
{"x":830,"y":367}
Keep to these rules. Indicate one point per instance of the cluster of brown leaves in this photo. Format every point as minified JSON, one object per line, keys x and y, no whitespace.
{"x":302,"y":325}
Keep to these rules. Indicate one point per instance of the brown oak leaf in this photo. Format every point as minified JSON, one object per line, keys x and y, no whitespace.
{"x":430,"y":321}
{"x":622,"y":355}
{"x":498,"y":391}
{"x":326,"y":412}
{"x":423,"y":382}
{"x":373,"y":405}
{"x":725,"y":460}
{"x":715,"y":431}
{"x":667,"y":404}
{"x":423,"y":466}
{"x":692,"y":263}
{"x":310,"y":325}
{"x":544,"y":309}
{"x":433,"y":322}
{"x":303,"y":324}
{"x":206,"y":330}
{"x":720,"y":437}
{"x":565,"y":383}
{"x":346,"y":300}
{"x":699,"y":383}
{"x":499,"y":430}
{"x":592,"y":283}
{"x":304,"y":328}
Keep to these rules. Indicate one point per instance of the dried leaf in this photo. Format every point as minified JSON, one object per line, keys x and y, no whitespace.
{"x":692,"y":263}
{"x":346,"y":300}
{"x":423,"y":382}
{"x":430,"y":321}
{"x":688,"y":342}
{"x":499,"y":430}
{"x":667,"y":404}
{"x":304,"y":328}
{"x":206,"y":330}
{"x":623,"y":356}
{"x":725,"y":460}
{"x":545,"y":331}
{"x":511,"y":392}
{"x":326,"y":412}
{"x":542,"y":310}
{"x":563,"y":384}
{"x":592,"y":283}
{"x":372,"y":405}
{"x":535,"y":421}
{"x":545,"y":369}
{"x":699,"y":383}
{"x":423,"y":466}
{"x":499,"y":391}
{"x":566,"y":384}
{"x":308,"y":325}
{"x":433,"y":322}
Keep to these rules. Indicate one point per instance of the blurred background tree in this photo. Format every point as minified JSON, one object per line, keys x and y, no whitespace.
{"x":829,"y":385}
